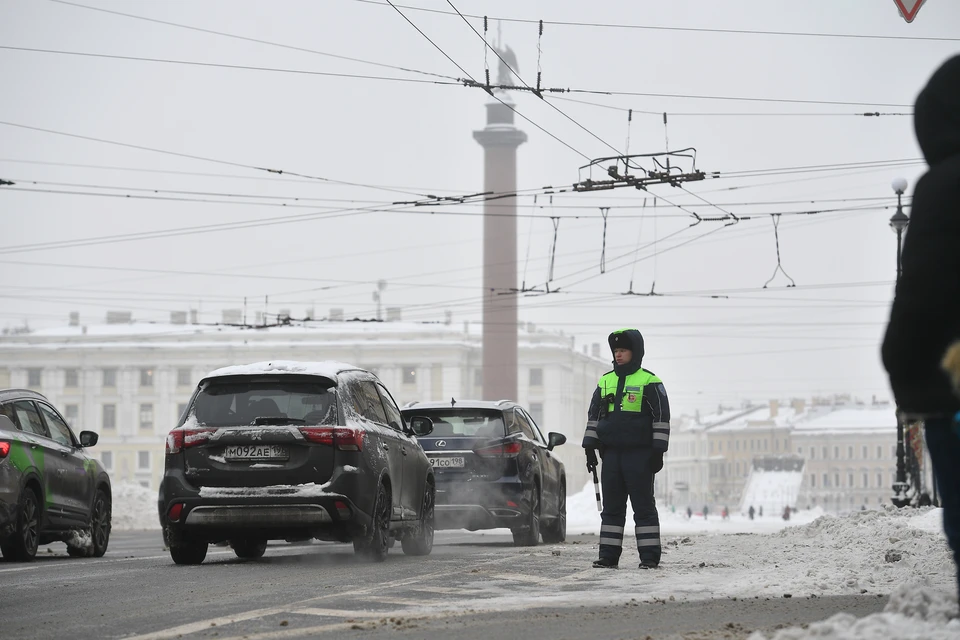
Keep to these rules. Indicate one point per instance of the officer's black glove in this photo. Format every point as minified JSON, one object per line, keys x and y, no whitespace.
{"x":591,"y":460}
{"x":656,"y":462}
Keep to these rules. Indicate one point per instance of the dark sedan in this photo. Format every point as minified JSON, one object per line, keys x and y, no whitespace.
{"x":495,"y":469}
{"x":294,"y":451}
{"x":50,"y":489}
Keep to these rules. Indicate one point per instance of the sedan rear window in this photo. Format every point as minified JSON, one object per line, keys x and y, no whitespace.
{"x":464,"y":422}
{"x":270,"y":401}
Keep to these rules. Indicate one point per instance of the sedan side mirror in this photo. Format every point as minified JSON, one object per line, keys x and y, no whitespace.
{"x":555,"y":439}
{"x":88,"y":438}
{"x":421,"y":425}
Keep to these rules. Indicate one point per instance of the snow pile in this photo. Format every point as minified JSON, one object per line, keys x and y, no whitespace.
{"x":859,"y":551}
{"x":583,"y":517}
{"x":134,"y":508}
{"x":914,"y":612}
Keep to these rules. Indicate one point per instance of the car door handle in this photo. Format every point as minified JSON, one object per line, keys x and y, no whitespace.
{"x":385,"y":446}
{"x":403,"y":450}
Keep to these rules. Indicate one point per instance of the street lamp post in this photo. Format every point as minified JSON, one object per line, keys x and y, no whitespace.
{"x":899,"y":222}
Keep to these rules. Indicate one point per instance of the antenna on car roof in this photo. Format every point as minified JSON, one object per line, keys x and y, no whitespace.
{"x":453,"y":402}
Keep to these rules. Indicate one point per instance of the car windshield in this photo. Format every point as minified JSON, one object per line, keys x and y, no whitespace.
{"x":479,"y":423}
{"x":265,"y":401}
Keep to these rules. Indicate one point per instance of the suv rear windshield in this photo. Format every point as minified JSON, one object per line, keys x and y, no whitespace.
{"x":481,"y":423}
{"x":243,"y":402}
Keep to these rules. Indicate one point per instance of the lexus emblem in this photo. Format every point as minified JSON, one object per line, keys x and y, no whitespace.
{"x":441,"y":443}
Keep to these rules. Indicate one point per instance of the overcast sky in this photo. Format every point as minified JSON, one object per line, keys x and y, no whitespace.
{"x":416,"y":138}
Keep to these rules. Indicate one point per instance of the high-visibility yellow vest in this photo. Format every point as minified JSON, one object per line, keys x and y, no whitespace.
{"x":632,"y":389}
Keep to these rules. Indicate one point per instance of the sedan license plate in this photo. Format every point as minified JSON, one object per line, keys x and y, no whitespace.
{"x":256,"y":452}
{"x":443,"y":463}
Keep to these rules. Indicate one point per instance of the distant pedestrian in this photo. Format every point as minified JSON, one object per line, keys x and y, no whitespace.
{"x":760,"y":511}
{"x":725,"y":514}
{"x":923,"y":319}
{"x":705,"y":512}
{"x":689,"y":513}
{"x":628,"y":424}
{"x":751,"y":511}
{"x":786,"y":512}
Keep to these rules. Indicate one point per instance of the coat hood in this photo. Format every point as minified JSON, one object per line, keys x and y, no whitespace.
{"x":627,"y":339}
{"x":936,"y":115}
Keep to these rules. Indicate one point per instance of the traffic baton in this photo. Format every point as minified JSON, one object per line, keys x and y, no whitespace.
{"x":596,"y":490}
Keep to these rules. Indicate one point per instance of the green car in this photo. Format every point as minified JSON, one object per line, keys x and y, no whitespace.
{"x":50,"y":489}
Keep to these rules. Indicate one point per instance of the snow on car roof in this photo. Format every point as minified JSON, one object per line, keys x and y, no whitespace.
{"x":460,"y":404}
{"x":328,"y":368}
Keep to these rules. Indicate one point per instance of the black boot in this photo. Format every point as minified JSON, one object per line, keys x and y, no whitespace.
{"x":648,"y":564}
{"x":605,"y":563}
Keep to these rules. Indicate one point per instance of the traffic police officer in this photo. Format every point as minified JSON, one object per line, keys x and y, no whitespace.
{"x":628,"y":423}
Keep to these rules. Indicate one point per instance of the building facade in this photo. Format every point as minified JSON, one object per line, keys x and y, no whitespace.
{"x":130,"y":382}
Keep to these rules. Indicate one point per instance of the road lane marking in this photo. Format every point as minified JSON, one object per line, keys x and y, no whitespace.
{"x":337,"y":613}
{"x":200,"y":625}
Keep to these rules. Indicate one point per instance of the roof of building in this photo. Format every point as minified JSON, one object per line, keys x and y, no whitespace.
{"x":850,"y":419}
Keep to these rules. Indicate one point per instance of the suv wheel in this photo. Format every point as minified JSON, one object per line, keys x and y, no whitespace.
{"x":529,"y":536}
{"x":556,"y":532}
{"x":377,"y":542}
{"x":22,"y":545}
{"x":100,"y":523}
{"x":249,"y":549}
{"x":420,"y":541}
{"x":189,"y":552}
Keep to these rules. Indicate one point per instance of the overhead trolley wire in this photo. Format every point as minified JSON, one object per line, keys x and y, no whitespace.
{"x":563,"y":23}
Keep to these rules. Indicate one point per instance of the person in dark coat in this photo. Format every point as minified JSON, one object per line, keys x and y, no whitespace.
{"x":628,"y":424}
{"x":925,"y":316}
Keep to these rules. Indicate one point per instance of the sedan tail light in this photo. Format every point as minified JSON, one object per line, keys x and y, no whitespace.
{"x":502,"y":450}
{"x":4,"y":449}
{"x":344,"y":438}
{"x":180,"y":439}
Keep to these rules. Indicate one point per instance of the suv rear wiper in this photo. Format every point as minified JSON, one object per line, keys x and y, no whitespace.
{"x":277,"y":420}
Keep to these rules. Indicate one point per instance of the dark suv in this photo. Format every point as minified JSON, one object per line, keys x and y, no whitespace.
{"x":494,"y":469}
{"x":50,"y":489}
{"x":294,"y":451}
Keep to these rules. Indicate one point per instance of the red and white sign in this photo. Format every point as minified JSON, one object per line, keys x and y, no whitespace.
{"x":909,"y":8}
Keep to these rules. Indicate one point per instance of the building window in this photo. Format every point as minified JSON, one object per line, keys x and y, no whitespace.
{"x":711,"y":446}
{"x":879,"y":452}
{"x":71,"y":412}
{"x":826,"y":481}
{"x":478,"y":377}
{"x":776,"y":445}
{"x":850,"y":453}
{"x":863,"y":452}
{"x":109,"y":377}
{"x":106,"y":459}
{"x":143,"y":460}
{"x":183,"y":377}
{"x":109,"y":420}
{"x":71,"y":378}
{"x":879,"y":480}
{"x":146,"y":416}
{"x":825,"y":453}
{"x":813,"y":480}
{"x":836,"y":480}
{"x":866,"y":481}
{"x":536,"y":377}
{"x":409,"y":375}
{"x":799,"y":451}
{"x":813,"y":453}
{"x":536,"y":412}
{"x":836,"y":453}
{"x":146,"y":377}
{"x":850,"y":480}
{"x":33,"y":377}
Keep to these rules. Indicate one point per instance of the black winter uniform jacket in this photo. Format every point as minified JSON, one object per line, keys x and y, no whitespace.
{"x":925,"y":317}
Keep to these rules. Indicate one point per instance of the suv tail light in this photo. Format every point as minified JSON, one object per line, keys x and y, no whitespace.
{"x":180,"y":439}
{"x":344,"y":438}
{"x":502,"y":450}
{"x":4,"y":449}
